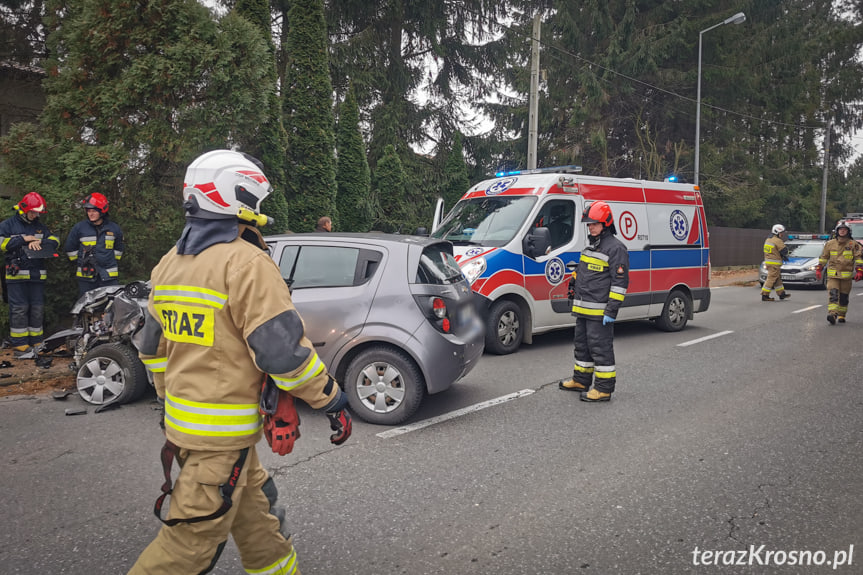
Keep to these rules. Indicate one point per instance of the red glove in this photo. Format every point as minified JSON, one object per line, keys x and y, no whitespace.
{"x":819,"y":271}
{"x":340,"y":422}
{"x":859,"y":275}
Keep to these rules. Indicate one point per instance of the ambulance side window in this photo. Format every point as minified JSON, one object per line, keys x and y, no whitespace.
{"x":559,"y":217}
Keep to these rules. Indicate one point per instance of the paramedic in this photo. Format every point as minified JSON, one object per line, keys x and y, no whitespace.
{"x":775,"y":253}
{"x":225,"y":318}
{"x":600,"y":285}
{"x":843,"y":258}
{"x":96,"y":244}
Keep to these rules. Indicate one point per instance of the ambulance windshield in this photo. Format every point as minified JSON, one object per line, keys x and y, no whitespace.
{"x":487,"y":221}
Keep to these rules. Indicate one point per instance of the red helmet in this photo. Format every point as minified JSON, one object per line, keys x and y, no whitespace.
{"x":32,"y":202}
{"x":598,"y":213}
{"x":96,"y":201}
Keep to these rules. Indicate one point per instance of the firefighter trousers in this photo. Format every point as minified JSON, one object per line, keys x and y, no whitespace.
{"x":26,"y":312}
{"x":193,"y":548}
{"x":594,"y":354}
{"x":838,"y":296}
{"x":774,"y":279}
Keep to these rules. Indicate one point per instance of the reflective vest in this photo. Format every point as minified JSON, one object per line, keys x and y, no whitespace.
{"x":841,"y":256}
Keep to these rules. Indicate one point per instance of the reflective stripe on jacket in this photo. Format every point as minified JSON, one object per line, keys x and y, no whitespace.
{"x":225,"y":318}
{"x":12,"y":232}
{"x":773,"y":247}
{"x":105,"y":242}
{"x":601,"y":279}
{"x":841,"y":256}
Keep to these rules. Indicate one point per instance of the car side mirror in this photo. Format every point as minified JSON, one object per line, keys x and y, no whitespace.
{"x":536,"y":242}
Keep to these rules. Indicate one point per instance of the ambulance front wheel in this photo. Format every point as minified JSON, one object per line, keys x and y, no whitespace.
{"x":675,"y":312}
{"x":504,"y":328}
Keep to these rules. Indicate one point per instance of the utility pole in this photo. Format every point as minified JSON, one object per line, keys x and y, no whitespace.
{"x":534,"y":95}
{"x":824,"y":178}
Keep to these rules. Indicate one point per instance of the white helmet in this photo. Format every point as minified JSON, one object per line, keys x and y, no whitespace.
{"x":220,"y":183}
{"x":778,"y":229}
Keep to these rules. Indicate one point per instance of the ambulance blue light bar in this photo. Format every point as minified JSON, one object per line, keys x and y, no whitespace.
{"x":553,"y":170}
{"x":671,"y":178}
{"x":808,"y":236}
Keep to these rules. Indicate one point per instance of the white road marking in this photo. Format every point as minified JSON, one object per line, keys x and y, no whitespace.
{"x":705,"y":338}
{"x":807,"y":308}
{"x":453,"y":414}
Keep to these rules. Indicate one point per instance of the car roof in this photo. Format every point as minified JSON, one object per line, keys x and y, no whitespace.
{"x":370,"y":238}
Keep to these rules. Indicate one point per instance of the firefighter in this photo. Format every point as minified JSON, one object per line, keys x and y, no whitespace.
{"x":775,"y":253}
{"x":843,"y":258}
{"x":220,"y":318}
{"x":598,"y":290}
{"x":25,"y":272}
{"x":96,"y":244}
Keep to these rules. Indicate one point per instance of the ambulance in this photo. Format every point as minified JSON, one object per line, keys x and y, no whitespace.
{"x":518,"y":236}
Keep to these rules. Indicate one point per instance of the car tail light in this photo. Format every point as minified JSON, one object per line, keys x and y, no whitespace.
{"x":439,"y":308}
{"x":445,"y":325}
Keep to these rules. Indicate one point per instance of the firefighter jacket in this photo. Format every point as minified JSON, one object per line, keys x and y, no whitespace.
{"x":19,"y":267}
{"x":100,"y":246}
{"x":601,"y":278}
{"x":841,"y":256}
{"x":775,"y":251}
{"x":224,"y":318}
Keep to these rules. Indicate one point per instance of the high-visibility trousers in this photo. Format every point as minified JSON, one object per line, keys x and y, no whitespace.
{"x":838,"y":291}
{"x":193,"y":548}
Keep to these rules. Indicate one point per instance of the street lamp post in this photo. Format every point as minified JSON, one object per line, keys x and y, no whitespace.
{"x":738,"y":18}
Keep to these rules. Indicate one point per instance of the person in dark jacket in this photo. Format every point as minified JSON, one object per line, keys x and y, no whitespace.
{"x":24,"y":239}
{"x":598,"y":290}
{"x":325,"y":224}
{"x":97,"y":245}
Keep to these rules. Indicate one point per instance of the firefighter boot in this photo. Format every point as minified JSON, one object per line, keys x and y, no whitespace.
{"x":571,"y":385}
{"x":20,"y":350}
{"x":831,"y":318}
{"x":594,"y":396}
{"x":840,"y":318}
{"x":784,"y":295}
{"x":766,"y":297}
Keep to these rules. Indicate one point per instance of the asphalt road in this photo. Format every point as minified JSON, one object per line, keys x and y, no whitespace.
{"x":751,"y":438}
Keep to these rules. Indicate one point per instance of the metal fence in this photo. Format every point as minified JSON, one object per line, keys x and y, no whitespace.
{"x":736,"y":246}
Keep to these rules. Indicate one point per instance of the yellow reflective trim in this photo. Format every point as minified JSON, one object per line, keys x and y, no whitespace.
{"x":604,"y":374}
{"x":156,"y":364}
{"x":773,"y":262}
{"x":285,"y":566}
{"x":588,"y":311}
{"x":314,"y":368}
{"x":24,"y":333}
{"x":580,"y":369}
{"x":211,"y":419}
{"x":595,"y":261}
{"x":617,"y":296}
{"x":3,"y":243}
{"x":190,"y":294}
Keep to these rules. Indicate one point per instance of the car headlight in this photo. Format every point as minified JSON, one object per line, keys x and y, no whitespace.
{"x":812,"y":268}
{"x":473,"y":269}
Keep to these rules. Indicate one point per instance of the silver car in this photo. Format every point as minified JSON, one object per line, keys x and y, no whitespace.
{"x":799,"y":270}
{"x":391,"y":316}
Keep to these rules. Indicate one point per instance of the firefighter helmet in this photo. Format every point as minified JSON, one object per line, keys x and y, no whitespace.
{"x":96,"y":201}
{"x":598,"y":213}
{"x":32,"y":202}
{"x":842,"y":224}
{"x":778,"y":229}
{"x":219,"y":184}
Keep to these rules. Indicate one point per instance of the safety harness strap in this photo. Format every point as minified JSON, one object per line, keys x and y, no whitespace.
{"x":226,"y":490}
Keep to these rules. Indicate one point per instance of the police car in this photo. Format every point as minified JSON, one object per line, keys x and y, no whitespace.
{"x":803,"y":253}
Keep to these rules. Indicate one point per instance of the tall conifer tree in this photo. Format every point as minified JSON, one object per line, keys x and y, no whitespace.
{"x":352,"y":171}
{"x":308,"y":118}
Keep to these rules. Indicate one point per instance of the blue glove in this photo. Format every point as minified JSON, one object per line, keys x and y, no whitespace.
{"x":607,"y":320}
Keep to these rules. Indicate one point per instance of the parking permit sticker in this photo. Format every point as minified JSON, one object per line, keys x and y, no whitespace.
{"x":554,"y":270}
{"x":679,"y":225}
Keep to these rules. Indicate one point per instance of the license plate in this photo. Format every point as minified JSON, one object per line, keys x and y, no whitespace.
{"x":788,"y":276}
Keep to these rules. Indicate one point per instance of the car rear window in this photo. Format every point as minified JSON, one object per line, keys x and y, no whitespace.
{"x":438,"y":266}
